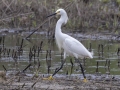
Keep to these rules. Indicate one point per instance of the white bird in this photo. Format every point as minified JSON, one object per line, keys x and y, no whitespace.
{"x":70,"y":45}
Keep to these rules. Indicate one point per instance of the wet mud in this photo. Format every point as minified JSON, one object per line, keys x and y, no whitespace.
{"x":24,"y":81}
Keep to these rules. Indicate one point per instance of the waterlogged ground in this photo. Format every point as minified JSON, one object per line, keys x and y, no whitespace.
{"x":68,"y":82}
{"x":27,"y":61}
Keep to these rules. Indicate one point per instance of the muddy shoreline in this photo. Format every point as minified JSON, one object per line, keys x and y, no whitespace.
{"x":60,"y":82}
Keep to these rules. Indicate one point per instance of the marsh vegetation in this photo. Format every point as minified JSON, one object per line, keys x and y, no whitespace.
{"x":28,"y":51}
{"x":84,"y":15}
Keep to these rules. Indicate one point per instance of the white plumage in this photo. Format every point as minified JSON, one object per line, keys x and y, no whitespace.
{"x":70,"y":45}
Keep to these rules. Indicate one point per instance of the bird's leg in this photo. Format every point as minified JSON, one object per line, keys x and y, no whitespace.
{"x":82,"y":70}
{"x":51,"y":77}
{"x":71,"y":66}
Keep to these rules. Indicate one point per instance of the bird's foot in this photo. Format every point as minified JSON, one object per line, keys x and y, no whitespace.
{"x":85,"y":80}
{"x":49,"y":78}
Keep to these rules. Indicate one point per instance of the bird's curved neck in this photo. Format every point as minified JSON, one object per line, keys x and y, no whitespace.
{"x":58,"y":26}
{"x":63,"y":19}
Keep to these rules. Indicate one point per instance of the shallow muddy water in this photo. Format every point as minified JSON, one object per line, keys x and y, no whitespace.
{"x":105,"y":61}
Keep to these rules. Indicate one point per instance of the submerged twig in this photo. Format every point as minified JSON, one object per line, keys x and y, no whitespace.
{"x":35,"y":82}
{"x":21,"y":46}
{"x":118,"y":51}
{"x":23,"y":85}
{"x":26,"y":68}
{"x":97,"y":67}
{"x":4,"y":68}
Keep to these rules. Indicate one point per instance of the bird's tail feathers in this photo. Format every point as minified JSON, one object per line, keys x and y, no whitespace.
{"x":92,"y":53}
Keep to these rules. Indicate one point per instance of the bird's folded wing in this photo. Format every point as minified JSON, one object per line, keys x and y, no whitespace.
{"x":75,"y":46}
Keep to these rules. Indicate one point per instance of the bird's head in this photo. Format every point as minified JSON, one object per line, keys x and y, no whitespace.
{"x":62,"y":13}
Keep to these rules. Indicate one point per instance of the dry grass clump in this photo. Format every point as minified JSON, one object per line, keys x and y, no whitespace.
{"x":21,"y":13}
{"x":2,"y":76}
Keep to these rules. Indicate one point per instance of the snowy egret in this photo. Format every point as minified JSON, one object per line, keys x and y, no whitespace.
{"x":70,"y":45}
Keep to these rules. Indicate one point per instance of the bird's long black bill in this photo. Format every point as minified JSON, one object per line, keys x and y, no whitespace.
{"x":52,"y":15}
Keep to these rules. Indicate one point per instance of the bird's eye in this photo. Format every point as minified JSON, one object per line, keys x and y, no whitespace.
{"x":58,"y":12}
